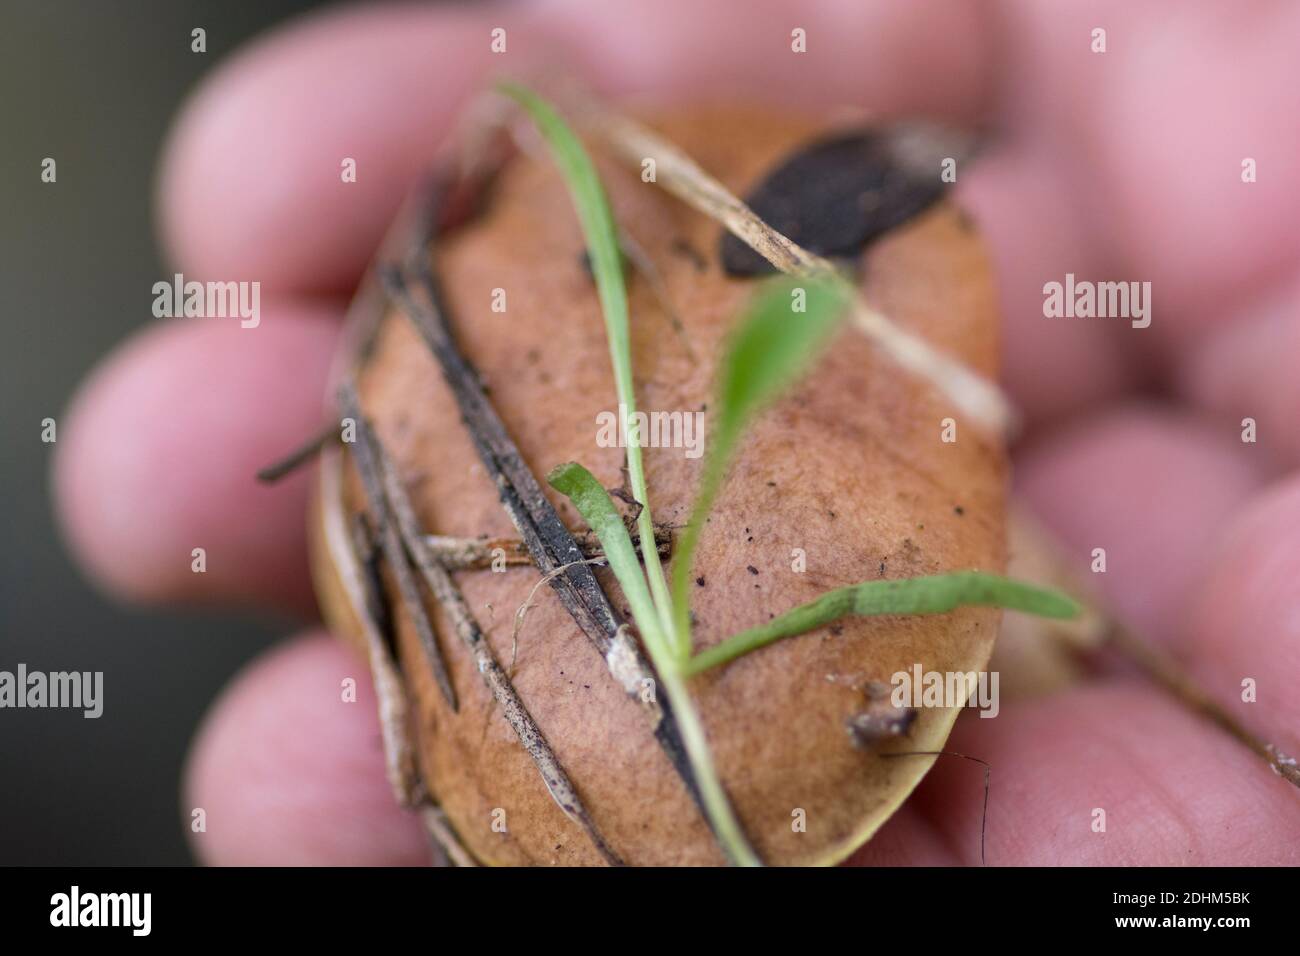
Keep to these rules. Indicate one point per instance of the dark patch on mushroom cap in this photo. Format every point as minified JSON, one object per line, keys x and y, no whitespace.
{"x":833,"y":197}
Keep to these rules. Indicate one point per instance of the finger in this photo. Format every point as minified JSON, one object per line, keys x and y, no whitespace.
{"x":1246,"y":370}
{"x":251,"y":185}
{"x":870,"y":54}
{"x":161,"y":449}
{"x":1171,"y":789}
{"x":1051,"y":367}
{"x":1245,"y":629}
{"x":288,"y":772}
{"x":1153,"y":489}
{"x":1164,"y":120}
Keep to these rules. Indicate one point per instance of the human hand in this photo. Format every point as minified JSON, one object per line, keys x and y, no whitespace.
{"x":1122,"y":165}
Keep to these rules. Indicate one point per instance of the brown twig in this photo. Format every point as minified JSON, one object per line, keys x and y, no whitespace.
{"x":365,"y":456}
{"x":350,"y":557}
{"x":476,"y":554}
{"x":1162,"y":668}
{"x":299,"y":456}
{"x":452,"y":602}
{"x":443,"y":837}
{"x":369,"y":554}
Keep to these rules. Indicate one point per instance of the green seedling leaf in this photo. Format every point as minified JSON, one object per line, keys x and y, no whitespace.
{"x":936,"y":594}
{"x":654,"y":617}
{"x":592,"y":206}
{"x":770,"y":348}
{"x":593,"y":502}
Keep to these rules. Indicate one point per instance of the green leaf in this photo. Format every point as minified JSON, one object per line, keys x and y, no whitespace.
{"x":654,"y":618}
{"x":936,"y":594}
{"x":592,"y":206}
{"x":770,"y":348}
{"x":594,"y":504}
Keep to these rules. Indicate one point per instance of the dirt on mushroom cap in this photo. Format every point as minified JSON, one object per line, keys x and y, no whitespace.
{"x":848,"y":467}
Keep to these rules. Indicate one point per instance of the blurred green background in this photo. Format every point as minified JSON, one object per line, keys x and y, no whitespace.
{"x":94,"y":84}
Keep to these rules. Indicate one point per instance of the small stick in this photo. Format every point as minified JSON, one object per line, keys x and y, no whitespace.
{"x":351,"y":551}
{"x":299,"y":456}
{"x":684,"y":178}
{"x":451,"y":600}
{"x":365,"y":455}
{"x":476,"y":554}
{"x":444,"y":838}
{"x":369,"y":552}
{"x":1162,"y":668}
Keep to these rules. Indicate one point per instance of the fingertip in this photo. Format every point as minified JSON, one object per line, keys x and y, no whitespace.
{"x":1243,"y":372}
{"x":1139,"y":495}
{"x":1051,"y":367}
{"x":253,"y":184}
{"x":288,"y":768}
{"x":154,"y":473}
{"x":828,"y":52}
{"x":1113,"y":773}
{"x":1245,"y":632}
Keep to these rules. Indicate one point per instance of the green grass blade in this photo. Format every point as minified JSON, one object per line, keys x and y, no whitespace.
{"x":593,"y":503}
{"x":722,"y":818}
{"x":592,"y":207}
{"x":770,"y":348}
{"x":936,"y":594}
